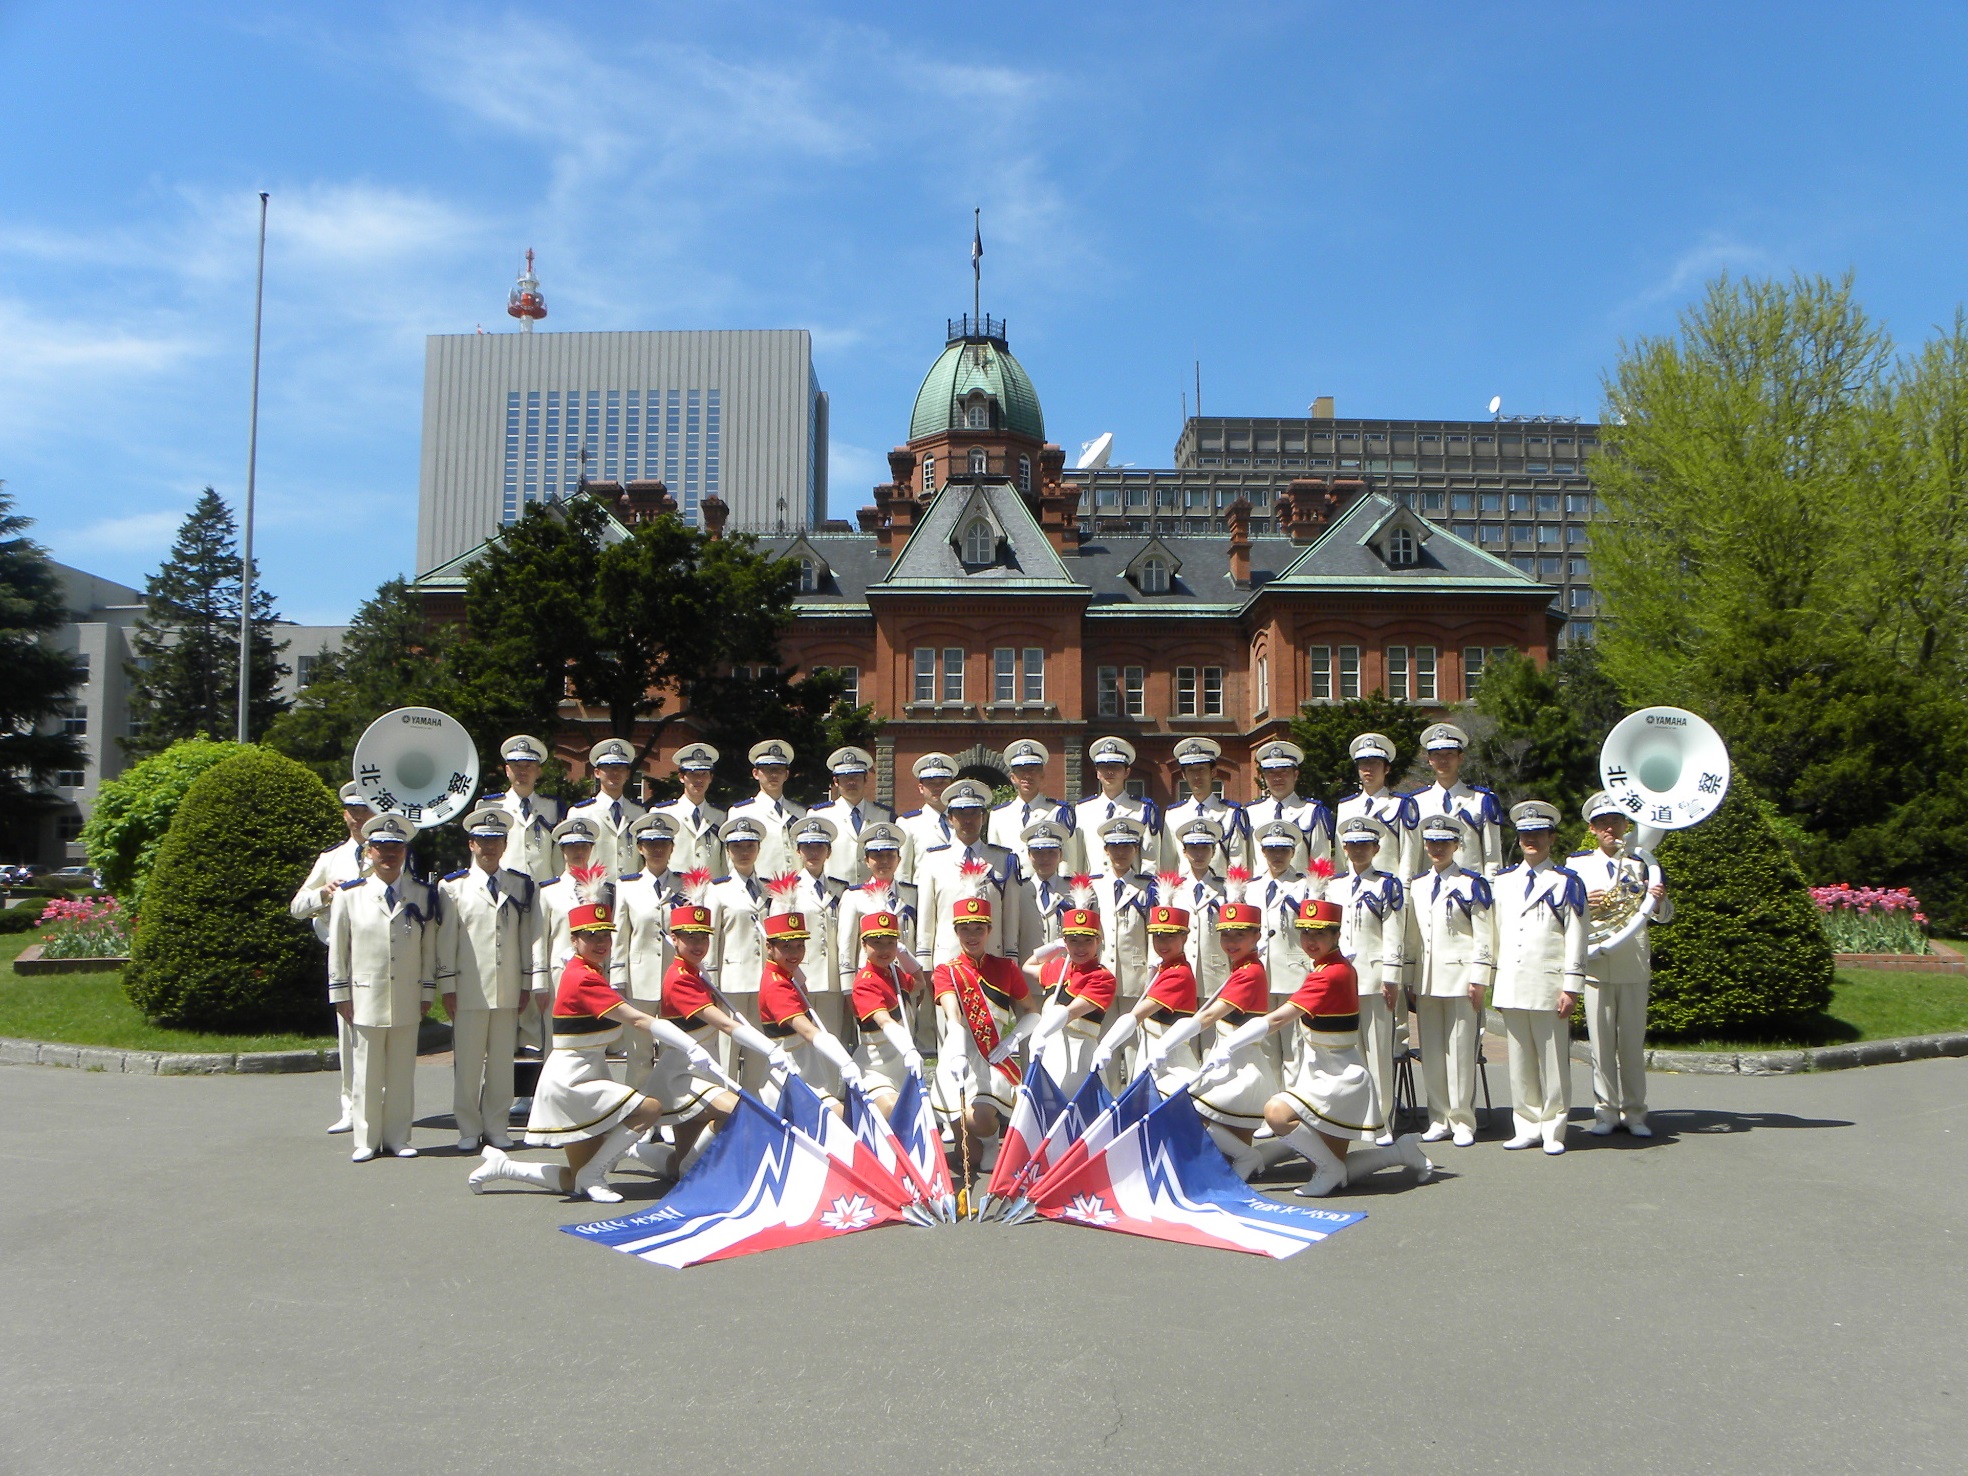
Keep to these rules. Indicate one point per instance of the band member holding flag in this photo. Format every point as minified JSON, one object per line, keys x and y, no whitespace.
{"x":885,"y":1054}
{"x":786,"y":1014}
{"x":979,"y":998}
{"x":1171,"y":999}
{"x":1079,"y":991}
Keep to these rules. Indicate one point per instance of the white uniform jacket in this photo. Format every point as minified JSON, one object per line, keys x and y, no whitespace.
{"x":939,"y":883}
{"x":1042,"y":907}
{"x":1201,"y":899}
{"x":1401,"y":852}
{"x":1633,"y":961}
{"x":614,"y":822}
{"x":530,"y":844}
{"x":557,"y":898}
{"x":331,"y":868}
{"x":488,"y":947}
{"x":1451,"y":933}
{"x":922,"y":832}
{"x":1314,"y":822}
{"x":1124,"y":902}
{"x":643,"y":947}
{"x":1478,"y":809}
{"x":844,"y":864}
{"x":1236,"y":849}
{"x":383,"y":956}
{"x":1096,"y":810}
{"x":1372,"y":930}
{"x":737,"y":958}
{"x":1278,"y":897}
{"x":775,"y":817}
{"x":1541,"y":928}
{"x":1007,"y":829}
{"x":697,"y":845}
{"x":819,"y":898}
{"x":855,"y":904}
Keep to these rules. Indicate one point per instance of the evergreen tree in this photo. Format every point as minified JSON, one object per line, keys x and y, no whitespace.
{"x":185,"y":680}
{"x":1540,"y":730}
{"x":1325,"y":732}
{"x":37,"y":682}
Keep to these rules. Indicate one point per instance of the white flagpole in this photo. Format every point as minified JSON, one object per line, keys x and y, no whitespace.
{"x":252,"y":463}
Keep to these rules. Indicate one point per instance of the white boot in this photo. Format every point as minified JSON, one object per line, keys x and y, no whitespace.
{"x":1245,"y":1159}
{"x":656,"y":1156}
{"x":345,"y":1123}
{"x":1328,"y":1172}
{"x":592,"y":1180}
{"x":495,"y":1165}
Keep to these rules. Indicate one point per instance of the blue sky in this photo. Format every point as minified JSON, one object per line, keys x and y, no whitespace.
{"x":1409,"y":207}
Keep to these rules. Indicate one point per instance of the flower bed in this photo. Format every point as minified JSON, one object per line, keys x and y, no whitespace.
{"x":1872,"y":920}
{"x":85,"y":928}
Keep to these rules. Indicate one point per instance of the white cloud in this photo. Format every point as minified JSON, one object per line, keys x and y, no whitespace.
{"x":1696,"y":265}
{"x":144,"y":533}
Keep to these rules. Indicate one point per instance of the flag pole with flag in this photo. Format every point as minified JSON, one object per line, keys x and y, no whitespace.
{"x":976,"y":266}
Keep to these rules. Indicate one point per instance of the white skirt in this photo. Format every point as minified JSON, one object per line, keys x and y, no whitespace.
{"x":1183,"y":1058}
{"x":577,"y":1098}
{"x":985,"y":1082}
{"x":682,"y":1092}
{"x":881,"y":1064}
{"x":814,"y":1069}
{"x":1236,"y":1095}
{"x":1331,"y":1090}
{"x":1068,"y":1056}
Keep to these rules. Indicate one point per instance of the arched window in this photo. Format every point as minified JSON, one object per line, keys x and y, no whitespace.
{"x":980,"y":545}
{"x":980,"y":462}
{"x":809,"y":576}
{"x":929,"y":474}
{"x":1154,"y":576}
{"x":1401,"y":548}
{"x":1024,"y":474}
{"x":977,"y":413}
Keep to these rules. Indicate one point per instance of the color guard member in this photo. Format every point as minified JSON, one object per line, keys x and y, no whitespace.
{"x":488,"y":949}
{"x":642,"y":951}
{"x":1170,"y":999}
{"x":1443,"y":745}
{"x":926,"y":827}
{"x":610,"y":810}
{"x":1027,"y":760}
{"x":980,"y":996}
{"x":338,"y":864}
{"x":774,"y":814}
{"x":1452,"y":957}
{"x":1617,"y":979}
{"x":786,"y":1013}
{"x":1113,"y":762}
{"x":1078,"y":992}
{"x":1373,"y":762}
{"x":697,"y":819}
{"x":1198,"y":758}
{"x":531,"y":848}
{"x":382,"y":977}
{"x":886,"y":1053}
{"x":1541,"y":936}
{"x":942,"y":875}
{"x":851,"y":810}
{"x":1278,"y":764}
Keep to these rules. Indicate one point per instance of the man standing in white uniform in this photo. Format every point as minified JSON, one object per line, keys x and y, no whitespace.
{"x":643,"y":949}
{"x":770,"y":810}
{"x":926,"y":828}
{"x":1198,"y":758}
{"x":1617,"y":979}
{"x":1278,"y":764}
{"x":1373,"y":937}
{"x":850,"y":812}
{"x":1027,"y":759}
{"x":334,"y":866}
{"x":530,"y":848}
{"x":1452,"y":955}
{"x":612,"y":813}
{"x":1113,"y":762}
{"x":1541,"y":931}
{"x":1443,"y":745}
{"x":1373,"y":762}
{"x":940,"y":879}
{"x":697,"y":820}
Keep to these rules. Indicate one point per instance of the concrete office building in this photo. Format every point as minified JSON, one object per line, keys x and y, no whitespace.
{"x":512,"y":419}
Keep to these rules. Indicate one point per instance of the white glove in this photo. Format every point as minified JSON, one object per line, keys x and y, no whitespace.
{"x":1248,"y":1033}
{"x":702,"y":1061}
{"x":1047,"y":951}
{"x":1118,"y":1034}
{"x":829,"y":1046}
{"x":1177,"y":1034}
{"x":850,"y":1073}
{"x":912,"y":1060}
{"x":1052,"y":1020}
{"x":900,"y":1043}
{"x":780,"y":1061}
{"x":1022,"y":1027}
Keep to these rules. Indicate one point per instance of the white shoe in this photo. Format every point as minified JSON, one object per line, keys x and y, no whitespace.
{"x":499,"y":1141}
{"x":1525,"y":1140}
{"x":1436,"y":1132}
{"x":1638,"y":1127}
{"x":467,"y":1143}
{"x":1464,"y":1137}
{"x":1602,"y":1127}
{"x":343,"y":1124}
{"x":1409,"y":1147}
{"x":406,"y":1151}
{"x":1322,"y":1183}
{"x":600,"y":1194}
{"x":487,"y":1171}
{"x":362,"y":1155}
{"x":1385,"y":1140}
{"x":1554,"y":1146}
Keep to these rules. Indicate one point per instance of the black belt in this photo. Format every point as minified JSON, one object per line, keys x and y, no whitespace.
{"x":1333,"y":1024}
{"x":1241,"y":1017}
{"x":779,"y":1032}
{"x":1166,"y":1014}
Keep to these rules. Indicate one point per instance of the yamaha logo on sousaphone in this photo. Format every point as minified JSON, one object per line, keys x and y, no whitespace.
{"x":419,"y":763}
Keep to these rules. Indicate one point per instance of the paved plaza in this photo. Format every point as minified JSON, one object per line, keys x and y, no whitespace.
{"x":193,"y":1277}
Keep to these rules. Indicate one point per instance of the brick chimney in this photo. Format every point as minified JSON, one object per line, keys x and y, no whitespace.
{"x":717,"y":512}
{"x":645,"y":500}
{"x":1304,"y":509}
{"x":902,"y":469}
{"x":869,"y":519}
{"x":1238,"y":517}
{"x":1058,"y":501}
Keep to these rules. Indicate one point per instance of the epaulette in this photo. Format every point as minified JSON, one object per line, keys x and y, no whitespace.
{"x":490,"y":799}
{"x":1587,"y":851}
{"x":931,"y":851}
{"x":454,"y":875}
{"x":995,"y":809}
{"x":720,"y":880}
{"x":632,"y":876}
{"x":356,"y":883}
{"x":550,"y":881}
{"x":911,"y":815}
{"x":1510,"y":868}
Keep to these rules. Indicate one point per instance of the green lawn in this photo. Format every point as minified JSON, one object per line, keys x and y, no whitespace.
{"x":90,"y":1009}
{"x":1866,"y":1004}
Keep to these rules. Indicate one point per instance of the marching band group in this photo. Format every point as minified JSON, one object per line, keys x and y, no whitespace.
{"x":1266,"y":957}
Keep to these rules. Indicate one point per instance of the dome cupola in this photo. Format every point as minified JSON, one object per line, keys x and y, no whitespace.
{"x":976,"y":385}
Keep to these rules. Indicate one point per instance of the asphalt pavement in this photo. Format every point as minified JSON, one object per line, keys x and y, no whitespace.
{"x":193,"y":1277}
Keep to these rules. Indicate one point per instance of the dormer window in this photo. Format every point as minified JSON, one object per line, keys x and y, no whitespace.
{"x":1154,"y":576}
{"x":929,"y":474}
{"x":977,"y":413}
{"x":1402,"y":550}
{"x":980,"y":542}
{"x":979,"y":461}
{"x":809,"y":577}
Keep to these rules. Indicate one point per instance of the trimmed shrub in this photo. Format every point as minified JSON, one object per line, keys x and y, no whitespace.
{"x":23,"y":919}
{"x":1745,"y":950}
{"x":215,"y":948}
{"x":134,"y":810}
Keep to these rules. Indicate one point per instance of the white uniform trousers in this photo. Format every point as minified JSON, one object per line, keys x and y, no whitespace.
{"x":345,"y":1053}
{"x":1377,"y":1050}
{"x":1448,"y":1059}
{"x":1540,"y":1071}
{"x":748,"y":1068}
{"x":1616,"y":1021}
{"x":536,"y":1026}
{"x":482,"y":1044}
{"x":385,"y":1085}
{"x":640,"y":1049}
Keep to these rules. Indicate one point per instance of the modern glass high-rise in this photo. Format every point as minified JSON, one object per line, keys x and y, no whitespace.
{"x":512,"y":419}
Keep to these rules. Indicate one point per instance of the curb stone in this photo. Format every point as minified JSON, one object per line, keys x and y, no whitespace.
{"x":1789,"y":1063}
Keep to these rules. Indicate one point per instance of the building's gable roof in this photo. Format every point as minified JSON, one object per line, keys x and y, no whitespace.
{"x":452,"y":573}
{"x":1343,"y":557}
{"x":931,"y":559}
{"x":1156,"y":546}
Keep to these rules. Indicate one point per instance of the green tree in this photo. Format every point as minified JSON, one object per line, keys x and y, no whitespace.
{"x":389,"y":659}
{"x":37,"y":681}
{"x":215,"y":948}
{"x":133,"y":813}
{"x":810,"y":712}
{"x":1540,"y":730}
{"x":1325,"y":731}
{"x":185,"y":679}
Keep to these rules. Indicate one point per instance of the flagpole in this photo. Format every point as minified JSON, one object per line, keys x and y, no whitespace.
{"x":976,"y":265}
{"x":252,"y":465}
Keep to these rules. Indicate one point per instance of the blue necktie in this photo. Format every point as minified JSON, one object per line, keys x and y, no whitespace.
{"x":492,"y":886}
{"x":752,"y":887}
{"x":615,"y":812}
{"x":1110,"y":809}
{"x":1045,"y":896}
{"x":525,"y":807}
{"x":1438,"y":887}
{"x":854,"y":815}
{"x":1530,"y":884}
{"x":389,"y":896}
{"x":696,"y":817}
{"x":1271,"y":892}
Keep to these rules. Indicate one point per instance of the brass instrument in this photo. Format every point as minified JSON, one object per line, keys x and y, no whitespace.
{"x":1668,"y":769}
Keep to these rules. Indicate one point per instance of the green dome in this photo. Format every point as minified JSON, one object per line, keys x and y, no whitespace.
{"x":971,"y":363}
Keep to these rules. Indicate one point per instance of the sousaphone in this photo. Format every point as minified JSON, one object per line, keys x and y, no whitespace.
{"x":1668,"y":769}
{"x":419,"y":763}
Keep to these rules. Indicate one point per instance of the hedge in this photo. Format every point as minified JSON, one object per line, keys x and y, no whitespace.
{"x":1745,"y":950}
{"x":215,"y":948}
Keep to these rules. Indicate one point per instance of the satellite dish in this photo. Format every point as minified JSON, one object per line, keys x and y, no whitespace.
{"x":1496,"y":403}
{"x":1094,"y":453}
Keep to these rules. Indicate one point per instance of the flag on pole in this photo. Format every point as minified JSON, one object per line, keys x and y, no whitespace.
{"x":1037,"y":1108}
{"x":1090,"y":1100}
{"x":1135,"y":1102}
{"x":914,"y":1121}
{"x":760,"y":1185}
{"x":873,"y":1130}
{"x":976,"y":241}
{"x":803,"y":1111}
{"x":1164,"y":1179}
